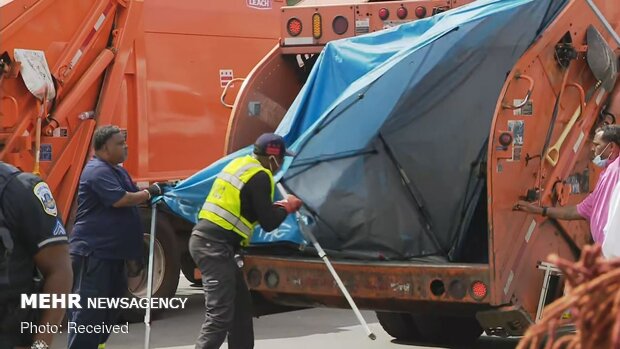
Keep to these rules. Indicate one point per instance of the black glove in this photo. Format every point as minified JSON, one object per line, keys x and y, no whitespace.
{"x":155,"y":189}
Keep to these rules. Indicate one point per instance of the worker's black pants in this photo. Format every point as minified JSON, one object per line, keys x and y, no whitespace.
{"x":227,"y":298}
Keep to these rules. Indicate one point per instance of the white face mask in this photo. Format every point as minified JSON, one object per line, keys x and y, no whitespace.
{"x":600,"y":162}
{"x":271,"y":157}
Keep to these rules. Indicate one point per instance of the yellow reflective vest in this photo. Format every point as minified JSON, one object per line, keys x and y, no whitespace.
{"x":223,"y":204}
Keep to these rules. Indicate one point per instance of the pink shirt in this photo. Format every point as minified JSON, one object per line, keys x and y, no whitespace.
{"x":595,"y":207}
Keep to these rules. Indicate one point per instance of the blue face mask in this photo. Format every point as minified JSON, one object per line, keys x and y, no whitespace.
{"x":598,"y":161}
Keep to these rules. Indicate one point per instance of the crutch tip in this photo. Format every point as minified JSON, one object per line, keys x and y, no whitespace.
{"x":372,"y":336}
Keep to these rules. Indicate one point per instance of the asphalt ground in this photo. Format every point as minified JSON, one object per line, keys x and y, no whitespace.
{"x":311,"y":329}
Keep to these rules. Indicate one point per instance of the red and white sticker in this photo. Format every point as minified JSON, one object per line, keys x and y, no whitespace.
{"x":91,"y":34}
{"x":225,"y":76}
{"x":60,"y":132}
{"x":259,"y":4}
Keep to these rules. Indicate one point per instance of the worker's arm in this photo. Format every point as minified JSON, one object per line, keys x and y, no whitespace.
{"x":135,"y":198}
{"x":132,"y":199}
{"x":568,"y":213}
{"x":36,"y":219}
{"x":269,"y":215}
{"x":112,"y":193}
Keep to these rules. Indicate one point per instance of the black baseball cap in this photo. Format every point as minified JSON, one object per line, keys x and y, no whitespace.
{"x":271,"y":144}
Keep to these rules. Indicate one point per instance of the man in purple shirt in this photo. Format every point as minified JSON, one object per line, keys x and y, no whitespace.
{"x":595,"y":207}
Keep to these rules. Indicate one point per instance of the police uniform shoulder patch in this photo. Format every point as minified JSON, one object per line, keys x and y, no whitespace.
{"x":59,"y":229}
{"x":44,"y":194}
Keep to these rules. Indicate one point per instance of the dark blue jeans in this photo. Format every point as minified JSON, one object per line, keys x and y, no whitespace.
{"x":95,"y":277}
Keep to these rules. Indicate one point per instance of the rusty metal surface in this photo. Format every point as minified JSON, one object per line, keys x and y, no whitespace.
{"x":272,"y":85}
{"x":519,"y":240}
{"x":373,"y":285}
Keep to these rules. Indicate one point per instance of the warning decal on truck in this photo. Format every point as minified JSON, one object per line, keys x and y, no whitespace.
{"x":225,"y":76}
{"x":516,"y":127}
{"x":46,"y":152}
{"x":362,"y":26}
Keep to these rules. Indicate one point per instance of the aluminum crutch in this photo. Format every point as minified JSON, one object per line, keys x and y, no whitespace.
{"x":308,"y":235}
{"x":149,"y":286}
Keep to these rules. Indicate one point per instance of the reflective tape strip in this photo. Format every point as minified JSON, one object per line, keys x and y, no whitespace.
{"x":75,"y":58}
{"x":229,"y":217}
{"x":232,"y":180}
{"x":244,"y":168}
{"x":50,"y":240}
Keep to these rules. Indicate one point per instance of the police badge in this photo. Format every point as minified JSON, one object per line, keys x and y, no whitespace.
{"x":43,"y":192}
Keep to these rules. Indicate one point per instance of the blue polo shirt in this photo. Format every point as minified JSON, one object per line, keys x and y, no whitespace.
{"x":100,"y":229}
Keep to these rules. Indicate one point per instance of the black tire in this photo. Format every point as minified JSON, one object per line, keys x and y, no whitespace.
{"x":447,"y":330}
{"x":187,"y":267}
{"x":166,"y":281}
{"x":432,"y":330}
{"x":398,"y":325}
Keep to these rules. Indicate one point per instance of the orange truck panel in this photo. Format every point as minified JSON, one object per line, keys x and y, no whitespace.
{"x":519,"y":241}
{"x":161,"y":80}
{"x":275,"y":81}
{"x":189,"y":49}
{"x":74,"y":36}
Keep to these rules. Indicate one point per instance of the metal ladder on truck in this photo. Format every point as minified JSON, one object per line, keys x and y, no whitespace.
{"x":552,"y":275}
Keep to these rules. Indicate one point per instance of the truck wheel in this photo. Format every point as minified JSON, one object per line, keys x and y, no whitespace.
{"x":187,"y":267}
{"x":398,"y":325}
{"x":166,"y":270}
{"x":424,"y":329}
{"x":447,"y":330}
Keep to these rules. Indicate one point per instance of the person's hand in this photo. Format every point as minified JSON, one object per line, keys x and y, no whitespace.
{"x":155,"y":189}
{"x":526,"y":207}
{"x":295,"y":202}
{"x":292,"y":204}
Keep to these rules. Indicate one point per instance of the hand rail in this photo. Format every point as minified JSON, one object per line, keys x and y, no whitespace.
{"x":223,"y":97}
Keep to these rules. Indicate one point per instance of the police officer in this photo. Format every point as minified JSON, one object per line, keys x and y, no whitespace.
{"x":240,"y":198}
{"x":33,"y":244}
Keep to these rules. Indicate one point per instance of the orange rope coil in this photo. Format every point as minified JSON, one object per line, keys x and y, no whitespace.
{"x":593,"y":299}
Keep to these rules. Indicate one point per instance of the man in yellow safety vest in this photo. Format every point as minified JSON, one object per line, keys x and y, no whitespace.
{"x":241,"y":197}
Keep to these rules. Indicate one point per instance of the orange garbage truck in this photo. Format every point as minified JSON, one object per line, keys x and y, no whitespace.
{"x":475,"y":118}
{"x":165,"y":72}
{"x":168,"y":74}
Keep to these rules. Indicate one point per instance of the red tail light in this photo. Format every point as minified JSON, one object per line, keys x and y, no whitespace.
{"x":401,"y":12}
{"x":478,"y":290}
{"x":384,"y":13}
{"x":293,"y":26}
{"x":420,"y":11}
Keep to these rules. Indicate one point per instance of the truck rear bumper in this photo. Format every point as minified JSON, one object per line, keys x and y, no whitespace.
{"x":388,"y":286}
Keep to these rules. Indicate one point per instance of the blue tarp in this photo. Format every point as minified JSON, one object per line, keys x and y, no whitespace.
{"x":387,"y":128}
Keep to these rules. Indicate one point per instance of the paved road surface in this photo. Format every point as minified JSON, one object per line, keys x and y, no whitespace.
{"x":311,"y":329}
